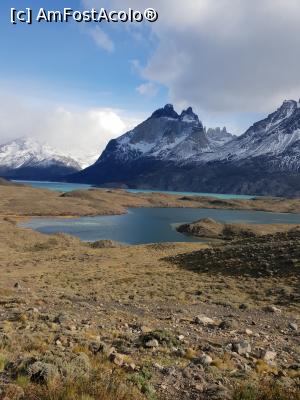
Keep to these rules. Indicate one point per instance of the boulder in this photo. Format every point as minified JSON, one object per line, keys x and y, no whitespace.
{"x":268,"y":356}
{"x":293,"y":326}
{"x":205,"y":321}
{"x":242,"y":348}
{"x":152,"y":343}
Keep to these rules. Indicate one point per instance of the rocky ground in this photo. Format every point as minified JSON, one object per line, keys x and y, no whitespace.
{"x":164,"y":321}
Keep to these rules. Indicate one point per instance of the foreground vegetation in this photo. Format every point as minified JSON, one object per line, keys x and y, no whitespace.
{"x":164,"y":321}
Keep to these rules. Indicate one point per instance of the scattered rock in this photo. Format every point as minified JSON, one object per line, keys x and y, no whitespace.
{"x":145,"y":329}
{"x":160,"y":336}
{"x":33,"y":310}
{"x":100,"y":347}
{"x":204,"y":360}
{"x":228,"y":324}
{"x":108,"y":350}
{"x":61,"y":318}
{"x":198,"y":387}
{"x":293,"y":326}
{"x":17,"y":285}
{"x":117,"y":359}
{"x":158,"y":367}
{"x":268,"y":356}
{"x":272,"y":309}
{"x":242,"y":348}
{"x":131,"y":367}
{"x":152,"y":343}
{"x":96,"y":347}
{"x":71,"y":328}
{"x":205,"y":321}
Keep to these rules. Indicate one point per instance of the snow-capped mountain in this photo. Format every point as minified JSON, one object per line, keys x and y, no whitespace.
{"x":26,"y":158}
{"x":166,"y":135}
{"x":173,"y":151}
{"x":275,"y":138}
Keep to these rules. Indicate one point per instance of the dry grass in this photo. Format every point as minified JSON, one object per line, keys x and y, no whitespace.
{"x":26,"y":201}
{"x":99,"y":386}
{"x":111,"y":293}
{"x":267,"y":390}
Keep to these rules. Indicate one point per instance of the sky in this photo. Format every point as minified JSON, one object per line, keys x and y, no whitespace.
{"x":77,"y":85}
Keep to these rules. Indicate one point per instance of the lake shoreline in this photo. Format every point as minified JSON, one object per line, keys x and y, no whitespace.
{"x":162,"y":224}
{"x":26,"y":201}
{"x":64,"y":187}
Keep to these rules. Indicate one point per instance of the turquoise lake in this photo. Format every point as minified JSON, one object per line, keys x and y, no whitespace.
{"x":68,"y":187}
{"x":149,"y":225}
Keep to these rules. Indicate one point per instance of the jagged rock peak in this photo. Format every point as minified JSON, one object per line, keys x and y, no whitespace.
{"x":188,"y":115}
{"x":167,"y":111}
{"x":217,"y":130}
{"x":288,"y":106}
{"x":188,"y":111}
{"x":288,"y":103}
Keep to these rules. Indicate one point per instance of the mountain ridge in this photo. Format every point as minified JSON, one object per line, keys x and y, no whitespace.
{"x":26,"y":158}
{"x":171,"y":151}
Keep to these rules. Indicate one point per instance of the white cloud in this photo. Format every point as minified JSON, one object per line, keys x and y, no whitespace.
{"x":81,"y":133}
{"x":101,"y":39}
{"x":148,"y":89}
{"x":224,"y":55}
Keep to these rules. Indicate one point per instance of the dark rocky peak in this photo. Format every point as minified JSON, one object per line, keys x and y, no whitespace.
{"x":286,"y":119}
{"x":285,"y":110}
{"x":166,"y":112}
{"x":189,"y":116}
{"x":287,"y":104}
{"x":224,"y":130}
{"x":218,"y":133}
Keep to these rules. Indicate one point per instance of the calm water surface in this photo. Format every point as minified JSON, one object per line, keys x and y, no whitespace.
{"x":150,"y":225}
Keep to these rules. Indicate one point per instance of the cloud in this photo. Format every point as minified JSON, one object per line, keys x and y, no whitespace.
{"x":224,"y":56}
{"x":148,"y":89}
{"x":82,"y":133}
{"x":101,"y":39}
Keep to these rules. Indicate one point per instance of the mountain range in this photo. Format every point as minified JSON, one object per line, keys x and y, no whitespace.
{"x":172,"y":151}
{"x":26,"y":158}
